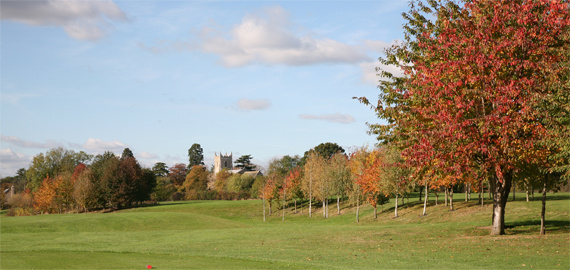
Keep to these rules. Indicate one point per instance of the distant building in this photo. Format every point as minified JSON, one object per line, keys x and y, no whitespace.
{"x":223,"y":162}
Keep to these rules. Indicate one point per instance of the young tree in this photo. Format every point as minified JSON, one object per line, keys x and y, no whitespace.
{"x":294,"y":180}
{"x":339,"y":174}
{"x":357,"y":165}
{"x":314,"y":171}
{"x":195,"y":156}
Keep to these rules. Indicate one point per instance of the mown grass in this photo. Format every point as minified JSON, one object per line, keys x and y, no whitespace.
{"x":232,"y":235}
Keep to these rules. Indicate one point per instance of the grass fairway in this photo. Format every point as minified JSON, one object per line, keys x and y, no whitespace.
{"x":232,"y":235}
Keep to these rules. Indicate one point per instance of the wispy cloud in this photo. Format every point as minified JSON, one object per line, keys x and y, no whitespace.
{"x":147,"y":155}
{"x":29,"y":144}
{"x":267,"y":37}
{"x":83,"y":20}
{"x":99,"y":146}
{"x":335,"y":118}
{"x":15,"y":98}
{"x":253,"y":104}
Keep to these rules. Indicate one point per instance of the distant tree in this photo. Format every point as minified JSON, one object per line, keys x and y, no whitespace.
{"x":195,"y":156}
{"x":163,"y":190}
{"x":127,"y":153}
{"x":239,"y":183}
{"x":123,"y":187}
{"x":244,"y":162}
{"x":145,"y":185}
{"x":44,"y":196}
{"x":221,"y":180}
{"x":196,"y":180}
{"x":160,"y":169}
{"x":54,"y":162}
{"x":84,"y":190}
{"x":325,"y":150}
{"x":178,"y":174}
{"x":282,"y":166}
{"x":104,"y":170}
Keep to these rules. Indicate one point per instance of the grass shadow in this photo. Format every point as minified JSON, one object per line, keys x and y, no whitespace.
{"x":533,"y":226}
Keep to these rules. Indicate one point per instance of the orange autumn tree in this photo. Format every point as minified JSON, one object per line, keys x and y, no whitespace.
{"x":45,"y":196}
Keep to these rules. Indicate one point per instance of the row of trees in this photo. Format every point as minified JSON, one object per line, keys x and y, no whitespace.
{"x":60,"y":181}
{"x":484,"y":95}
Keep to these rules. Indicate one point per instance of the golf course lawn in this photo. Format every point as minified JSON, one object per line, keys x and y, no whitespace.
{"x":233,"y":235}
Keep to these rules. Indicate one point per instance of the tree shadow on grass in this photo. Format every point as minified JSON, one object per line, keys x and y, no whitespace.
{"x":533,"y":227}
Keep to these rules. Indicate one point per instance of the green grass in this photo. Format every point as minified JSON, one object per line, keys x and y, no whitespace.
{"x":232,"y":235}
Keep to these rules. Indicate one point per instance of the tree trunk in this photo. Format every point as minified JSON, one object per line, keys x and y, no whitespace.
{"x":310,"y":195}
{"x":324,"y":209}
{"x":327,"y":204}
{"x":263,"y":208}
{"x":532,"y":193}
{"x":269,"y":207}
{"x":436,"y":197}
{"x":396,"y":207}
{"x":446,"y":195}
{"x":295,"y":206}
{"x":357,"y":209}
{"x":481,"y":194}
{"x":466,"y":191}
{"x":283,"y":219}
{"x":425,"y":201}
{"x":420,"y":198}
{"x":338,"y":205}
{"x":514,"y":189}
{"x":500,"y":196}
{"x":375,"y":212}
{"x":543,"y":212}
{"x":451,"y":199}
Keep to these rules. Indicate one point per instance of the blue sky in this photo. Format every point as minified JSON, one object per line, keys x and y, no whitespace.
{"x":265,"y":78}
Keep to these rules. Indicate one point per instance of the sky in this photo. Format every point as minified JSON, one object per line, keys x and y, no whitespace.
{"x":259,"y":78}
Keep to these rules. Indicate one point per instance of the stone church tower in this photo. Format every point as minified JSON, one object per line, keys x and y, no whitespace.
{"x":222,"y":162}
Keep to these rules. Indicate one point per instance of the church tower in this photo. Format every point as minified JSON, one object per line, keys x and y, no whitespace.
{"x":222,"y":162}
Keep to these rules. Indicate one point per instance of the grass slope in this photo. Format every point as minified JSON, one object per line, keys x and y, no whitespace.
{"x":231,"y":234}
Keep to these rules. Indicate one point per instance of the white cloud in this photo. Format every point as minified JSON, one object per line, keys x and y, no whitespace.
{"x":29,"y":144}
{"x":100,"y":146}
{"x":335,"y":118}
{"x":84,"y":20}
{"x":253,"y":104}
{"x":11,"y":161}
{"x":370,"y":72}
{"x":267,"y":37}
